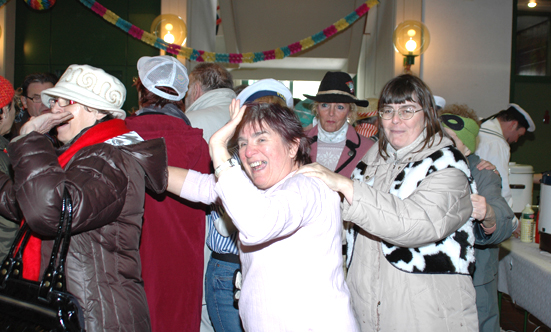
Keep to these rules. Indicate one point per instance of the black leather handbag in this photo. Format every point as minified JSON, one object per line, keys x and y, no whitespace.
{"x":43,"y":305}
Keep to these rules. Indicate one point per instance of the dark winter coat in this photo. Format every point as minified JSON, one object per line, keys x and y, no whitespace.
{"x":107,"y":185}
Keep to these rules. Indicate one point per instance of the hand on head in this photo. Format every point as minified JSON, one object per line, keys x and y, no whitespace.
{"x":218,"y":143}
{"x":45,"y":122}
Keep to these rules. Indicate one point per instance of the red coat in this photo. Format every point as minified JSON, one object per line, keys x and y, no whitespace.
{"x":173,"y":235}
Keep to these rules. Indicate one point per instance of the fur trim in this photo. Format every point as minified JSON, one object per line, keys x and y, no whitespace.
{"x":455,"y":253}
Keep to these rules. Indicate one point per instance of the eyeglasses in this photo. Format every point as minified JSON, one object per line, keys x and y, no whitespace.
{"x":61,"y":102}
{"x":404,"y":112}
{"x":35,"y":99}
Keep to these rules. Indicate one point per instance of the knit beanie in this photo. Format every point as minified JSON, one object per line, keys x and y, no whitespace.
{"x":466,"y":129}
{"x":6,"y":92}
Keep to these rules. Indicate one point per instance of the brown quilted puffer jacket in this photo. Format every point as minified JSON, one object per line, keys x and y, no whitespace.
{"x":107,"y":184}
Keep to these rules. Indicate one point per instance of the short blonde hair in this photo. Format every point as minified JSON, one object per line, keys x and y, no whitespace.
{"x":271,"y":100}
{"x":352,"y":114}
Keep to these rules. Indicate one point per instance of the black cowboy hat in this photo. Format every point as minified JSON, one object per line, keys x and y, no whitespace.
{"x":337,"y":87}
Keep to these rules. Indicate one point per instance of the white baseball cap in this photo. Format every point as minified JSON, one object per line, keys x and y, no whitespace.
{"x":163,"y":71}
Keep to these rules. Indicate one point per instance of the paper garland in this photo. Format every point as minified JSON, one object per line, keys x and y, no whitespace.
{"x":203,"y":56}
{"x":40,"y":4}
{"x":251,"y":57}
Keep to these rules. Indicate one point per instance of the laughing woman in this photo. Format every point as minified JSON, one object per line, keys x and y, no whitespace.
{"x":105,"y":168}
{"x":289,"y":226}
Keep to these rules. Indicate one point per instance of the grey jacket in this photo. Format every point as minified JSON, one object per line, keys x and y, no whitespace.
{"x":383,"y":297}
{"x":486,"y":249}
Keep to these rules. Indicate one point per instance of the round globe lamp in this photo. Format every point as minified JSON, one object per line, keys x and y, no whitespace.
{"x":411,"y":38}
{"x":170,"y":28}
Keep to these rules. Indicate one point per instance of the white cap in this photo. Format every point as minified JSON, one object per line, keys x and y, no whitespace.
{"x":89,"y":86}
{"x":531,"y":125}
{"x":439,"y":101}
{"x":163,"y":71}
{"x":266,"y":87}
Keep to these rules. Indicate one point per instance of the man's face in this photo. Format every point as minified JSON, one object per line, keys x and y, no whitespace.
{"x":512,"y":131}
{"x":33,"y":92}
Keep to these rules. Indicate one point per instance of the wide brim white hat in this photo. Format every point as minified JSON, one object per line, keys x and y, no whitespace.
{"x":89,"y":86}
{"x":266,"y":87}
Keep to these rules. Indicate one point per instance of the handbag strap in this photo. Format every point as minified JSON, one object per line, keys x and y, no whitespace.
{"x":12,"y":266}
{"x":54,"y":275}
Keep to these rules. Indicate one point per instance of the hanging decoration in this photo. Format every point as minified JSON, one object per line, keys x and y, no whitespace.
{"x":251,"y":57}
{"x":40,"y":4}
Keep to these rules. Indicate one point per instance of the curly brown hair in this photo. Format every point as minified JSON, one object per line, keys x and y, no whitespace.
{"x":461,"y":110}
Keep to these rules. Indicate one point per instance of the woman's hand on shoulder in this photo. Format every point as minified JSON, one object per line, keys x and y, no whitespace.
{"x":334,"y":181}
{"x":45,"y":122}
{"x":479,"y":207}
{"x":484,"y":164}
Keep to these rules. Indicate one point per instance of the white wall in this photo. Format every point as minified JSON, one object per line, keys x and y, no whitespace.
{"x":469,"y":57}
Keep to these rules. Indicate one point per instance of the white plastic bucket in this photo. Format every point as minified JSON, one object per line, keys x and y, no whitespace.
{"x":520,"y":182}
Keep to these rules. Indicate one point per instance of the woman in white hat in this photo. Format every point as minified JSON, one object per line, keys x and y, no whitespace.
{"x":105,"y":168}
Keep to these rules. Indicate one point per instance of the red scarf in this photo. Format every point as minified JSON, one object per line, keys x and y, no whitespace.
{"x":97,"y":134}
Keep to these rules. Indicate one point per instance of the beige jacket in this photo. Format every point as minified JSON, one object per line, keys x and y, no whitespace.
{"x":383,"y":297}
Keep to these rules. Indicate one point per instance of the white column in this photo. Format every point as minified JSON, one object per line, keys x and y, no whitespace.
{"x":7,"y":40}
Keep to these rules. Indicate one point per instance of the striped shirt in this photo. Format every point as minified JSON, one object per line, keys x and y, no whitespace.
{"x":215,"y":241}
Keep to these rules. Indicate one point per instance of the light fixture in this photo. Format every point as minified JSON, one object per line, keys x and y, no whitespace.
{"x":411,"y":39}
{"x":532,"y":3}
{"x":171,"y":28}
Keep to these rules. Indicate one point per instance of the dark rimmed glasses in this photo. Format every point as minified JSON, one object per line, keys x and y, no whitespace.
{"x":35,"y":99}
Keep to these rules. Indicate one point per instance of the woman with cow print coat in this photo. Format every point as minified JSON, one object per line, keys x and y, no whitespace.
{"x":410,"y":201}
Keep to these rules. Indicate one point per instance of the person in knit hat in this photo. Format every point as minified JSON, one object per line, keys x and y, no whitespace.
{"x":105,"y":168}
{"x":495,"y":216}
{"x":8,"y":228}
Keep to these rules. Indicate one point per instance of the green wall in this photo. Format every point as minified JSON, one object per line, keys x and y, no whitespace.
{"x":71,"y":33}
{"x":534,"y":95}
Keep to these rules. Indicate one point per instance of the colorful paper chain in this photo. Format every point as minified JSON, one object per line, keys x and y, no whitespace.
{"x":35,"y":4}
{"x":40,"y":4}
{"x":203,"y":56}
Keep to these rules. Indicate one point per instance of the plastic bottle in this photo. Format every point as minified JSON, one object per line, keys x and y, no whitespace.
{"x":527,"y":224}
